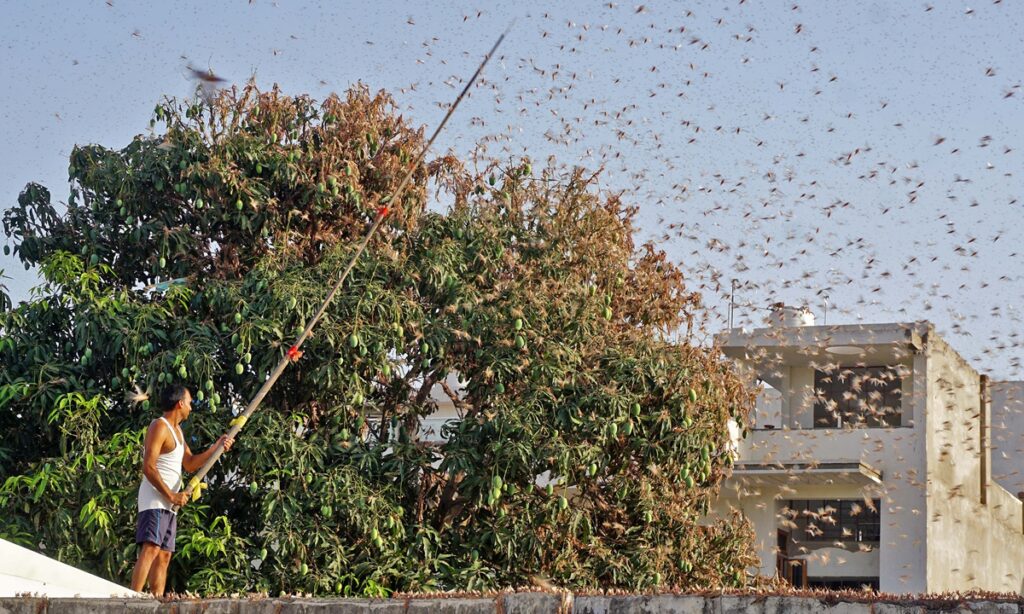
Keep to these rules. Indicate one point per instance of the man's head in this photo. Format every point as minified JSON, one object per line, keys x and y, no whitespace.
{"x":176,"y":397}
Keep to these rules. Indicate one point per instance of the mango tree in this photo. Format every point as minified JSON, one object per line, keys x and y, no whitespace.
{"x":592,"y":431}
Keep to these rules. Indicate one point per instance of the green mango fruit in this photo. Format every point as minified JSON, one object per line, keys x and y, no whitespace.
{"x":239,"y":205}
{"x":518,"y":324}
{"x":239,"y":368}
{"x":520,"y":342}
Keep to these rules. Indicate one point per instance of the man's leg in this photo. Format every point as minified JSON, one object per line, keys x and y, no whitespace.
{"x":158,"y":573}
{"x":147,"y":555}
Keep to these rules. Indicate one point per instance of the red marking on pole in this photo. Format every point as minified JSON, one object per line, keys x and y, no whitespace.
{"x":382,"y":211}
{"x":294,"y":354}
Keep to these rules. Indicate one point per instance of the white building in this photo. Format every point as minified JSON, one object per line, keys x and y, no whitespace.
{"x":877,"y":455}
{"x":24,"y":572}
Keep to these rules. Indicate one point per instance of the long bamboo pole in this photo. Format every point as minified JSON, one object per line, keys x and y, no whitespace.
{"x":293,"y":352}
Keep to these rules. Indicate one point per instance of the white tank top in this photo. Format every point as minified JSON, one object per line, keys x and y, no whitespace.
{"x":169,"y":467}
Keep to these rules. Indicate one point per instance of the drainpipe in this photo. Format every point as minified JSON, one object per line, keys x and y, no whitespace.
{"x":1020,"y":496}
{"x":983,"y":398}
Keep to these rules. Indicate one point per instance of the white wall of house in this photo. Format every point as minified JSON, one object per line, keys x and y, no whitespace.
{"x":842,"y":563}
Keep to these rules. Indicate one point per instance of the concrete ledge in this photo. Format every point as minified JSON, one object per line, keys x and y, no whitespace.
{"x":527,"y":603}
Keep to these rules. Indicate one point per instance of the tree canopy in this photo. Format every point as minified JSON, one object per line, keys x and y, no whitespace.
{"x":592,"y":433}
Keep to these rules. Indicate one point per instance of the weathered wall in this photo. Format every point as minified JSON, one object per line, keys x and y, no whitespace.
{"x":971,"y":543}
{"x":522,"y":603}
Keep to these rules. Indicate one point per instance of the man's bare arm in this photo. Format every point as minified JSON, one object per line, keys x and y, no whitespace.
{"x":192,"y":462}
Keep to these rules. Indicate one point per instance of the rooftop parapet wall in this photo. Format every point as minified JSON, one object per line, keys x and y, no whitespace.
{"x":523,"y":603}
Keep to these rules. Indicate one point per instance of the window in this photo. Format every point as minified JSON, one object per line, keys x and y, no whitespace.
{"x":844,"y":520}
{"x":857,"y":396}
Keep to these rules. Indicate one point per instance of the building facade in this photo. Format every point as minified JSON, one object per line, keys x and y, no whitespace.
{"x":878,"y":456}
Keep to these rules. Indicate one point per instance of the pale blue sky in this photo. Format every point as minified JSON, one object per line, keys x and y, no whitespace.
{"x":833,"y":183}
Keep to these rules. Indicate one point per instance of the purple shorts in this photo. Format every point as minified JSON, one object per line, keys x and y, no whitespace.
{"x":157,"y":527}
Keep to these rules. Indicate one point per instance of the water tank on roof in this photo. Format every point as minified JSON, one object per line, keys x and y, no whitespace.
{"x":784,"y":315}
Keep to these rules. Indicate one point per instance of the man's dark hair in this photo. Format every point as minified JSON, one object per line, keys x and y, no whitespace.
{"x":171,"y":394}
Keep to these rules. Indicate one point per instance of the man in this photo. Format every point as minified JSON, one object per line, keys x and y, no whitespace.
{"x":164,"y":455}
